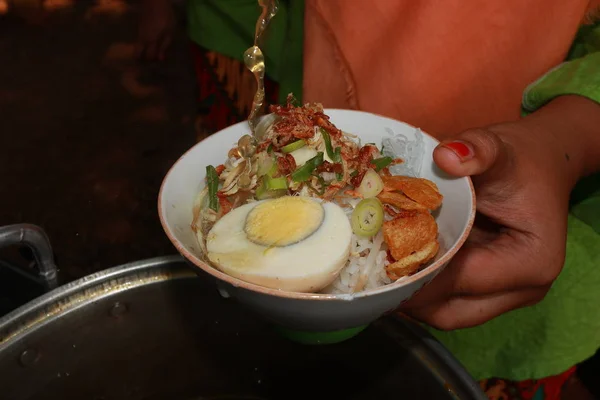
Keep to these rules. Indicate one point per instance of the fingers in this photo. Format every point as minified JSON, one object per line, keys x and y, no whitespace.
{"x":505,"y":264}
{"x":473,"y":152}
{"x":468,"y":311}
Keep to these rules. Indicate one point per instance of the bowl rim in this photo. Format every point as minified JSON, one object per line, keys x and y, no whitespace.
{"x":431,"y":269}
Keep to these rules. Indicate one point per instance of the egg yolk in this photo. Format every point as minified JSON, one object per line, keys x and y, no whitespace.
{"x":283,"y":221}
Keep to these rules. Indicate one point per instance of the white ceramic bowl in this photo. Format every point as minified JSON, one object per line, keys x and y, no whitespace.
{"x":304,"y":311}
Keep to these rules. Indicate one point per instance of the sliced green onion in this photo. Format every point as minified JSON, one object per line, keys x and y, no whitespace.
{"x":271,"y":187}
{"x":381,"y":163}
{"x":212,"y":181}
{"x":337,"y":155}
{"x":321,"y":181}
{"x":275,"y":183}
{"x":288,"y":148}
{"x":273,"y":171}
{"x":334,"y":155}
{"x":305,"y":172}
{"x":367,"y":217}
{"x":265,"y":164}
{"x":263,"y":194}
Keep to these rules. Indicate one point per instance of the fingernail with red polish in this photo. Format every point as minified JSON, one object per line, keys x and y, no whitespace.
{"x":463,"y":150}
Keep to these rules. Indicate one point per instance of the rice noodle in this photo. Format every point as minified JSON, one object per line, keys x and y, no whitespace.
{"x":411,"y":151}
{"x":367,"y":271}
{"x":201,"y":218}
{"x":198,"y":206}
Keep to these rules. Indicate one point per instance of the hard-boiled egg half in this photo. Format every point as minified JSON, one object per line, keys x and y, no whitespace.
{"x":291,"y":243}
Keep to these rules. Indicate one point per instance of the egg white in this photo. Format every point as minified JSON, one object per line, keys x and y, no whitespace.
{"x":306,"y":266}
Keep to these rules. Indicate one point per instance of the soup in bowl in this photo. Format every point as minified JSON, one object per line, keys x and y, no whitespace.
{"x":324,"y":221}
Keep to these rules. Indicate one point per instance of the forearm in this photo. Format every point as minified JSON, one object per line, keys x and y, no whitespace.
{"x":573,"y":121}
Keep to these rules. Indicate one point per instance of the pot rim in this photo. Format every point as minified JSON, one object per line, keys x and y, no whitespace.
{"x":67,"y":297}
{"x":79,"y":293}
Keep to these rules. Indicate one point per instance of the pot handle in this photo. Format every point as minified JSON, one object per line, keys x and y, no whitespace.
{"x":35,"y":238}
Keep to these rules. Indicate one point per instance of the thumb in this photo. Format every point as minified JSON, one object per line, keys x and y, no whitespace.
{"x":473,"y":152}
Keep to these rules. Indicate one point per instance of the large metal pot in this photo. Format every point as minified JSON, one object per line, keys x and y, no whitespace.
{"x":154,"y":329}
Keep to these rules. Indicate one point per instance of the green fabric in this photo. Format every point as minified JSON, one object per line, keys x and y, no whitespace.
{"x":578,"y":75}
{"x":533,"y":342}
{"x":586,"y":42}
{"x":227,"y":27}
{"x":585,"y":202}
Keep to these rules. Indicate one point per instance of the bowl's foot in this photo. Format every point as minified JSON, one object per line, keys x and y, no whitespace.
{"x":308,"y":337}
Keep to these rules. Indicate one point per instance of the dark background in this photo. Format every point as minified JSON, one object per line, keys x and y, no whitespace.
{"x":87,"y":133}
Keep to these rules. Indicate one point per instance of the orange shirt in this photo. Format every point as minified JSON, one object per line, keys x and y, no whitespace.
{"x":443,"y":65}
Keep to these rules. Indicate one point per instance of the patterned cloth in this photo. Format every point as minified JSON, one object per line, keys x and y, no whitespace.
{"x":540,"y":389}
{"x":225,"y":91}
